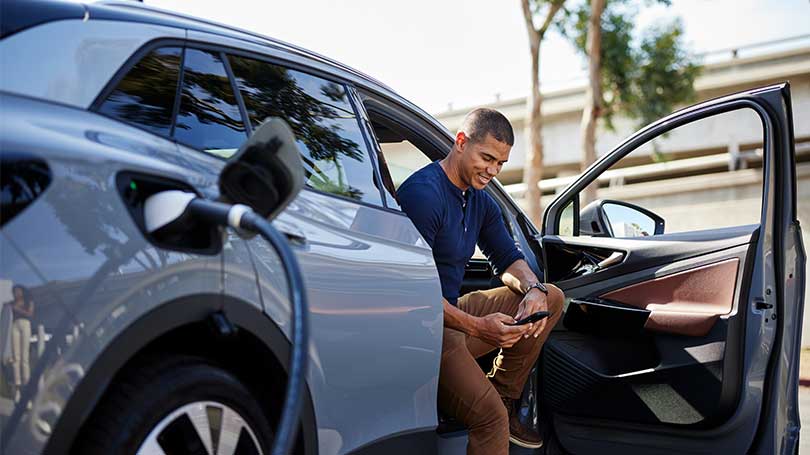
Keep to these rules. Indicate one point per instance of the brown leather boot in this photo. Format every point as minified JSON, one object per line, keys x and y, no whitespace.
{"x":520,"y":432}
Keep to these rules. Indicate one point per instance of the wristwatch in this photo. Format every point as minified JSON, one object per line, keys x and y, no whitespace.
{"x":539,"y":286}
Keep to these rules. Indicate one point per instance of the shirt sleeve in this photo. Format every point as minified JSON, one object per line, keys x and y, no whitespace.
{"x":495,"y":241}
{"x":427,"y":217}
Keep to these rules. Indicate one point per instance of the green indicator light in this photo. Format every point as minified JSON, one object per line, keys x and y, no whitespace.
{"x":133,"y":186}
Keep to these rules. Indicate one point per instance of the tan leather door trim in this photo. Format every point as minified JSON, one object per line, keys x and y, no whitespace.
{"x":684,"y":303}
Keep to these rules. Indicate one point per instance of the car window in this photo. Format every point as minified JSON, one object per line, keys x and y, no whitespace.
{"x":403,"y":159}
{"x":399,"y":157}
{"x":209,"y":117}
{"x":145,"y":96}
{"x":706,"y":174}
{"x":334,"y":152}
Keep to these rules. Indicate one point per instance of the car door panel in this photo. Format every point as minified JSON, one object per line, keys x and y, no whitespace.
{"x":644,"y":377}
{"x":626,"y":354}
{"x":684,"y":303}
{"x":375,"y":317}
{"x":562,"y":254}
{"x":678,"y":356}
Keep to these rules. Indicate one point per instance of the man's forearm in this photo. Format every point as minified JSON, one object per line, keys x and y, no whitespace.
{"x":455,"y":318}
{"x":519,"y":276}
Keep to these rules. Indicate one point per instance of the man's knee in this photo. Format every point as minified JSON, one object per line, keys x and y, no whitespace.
{"x":493,"y":416}
{"x":555,"y":300}
{"x":500,"y":421}
{"x":489,"y":413}
{"x":490,"y":433}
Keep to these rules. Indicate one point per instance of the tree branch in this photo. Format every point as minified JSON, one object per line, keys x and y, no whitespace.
{"x":527,"y":16}
{"x":552,"y":11}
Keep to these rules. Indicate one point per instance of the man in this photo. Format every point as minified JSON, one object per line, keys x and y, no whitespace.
{"x":446,"y":203}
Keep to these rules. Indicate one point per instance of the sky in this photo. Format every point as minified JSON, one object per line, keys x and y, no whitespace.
{"x":460,"y":53}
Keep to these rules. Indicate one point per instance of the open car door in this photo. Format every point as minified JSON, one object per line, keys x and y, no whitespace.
{"x":681,"y":342}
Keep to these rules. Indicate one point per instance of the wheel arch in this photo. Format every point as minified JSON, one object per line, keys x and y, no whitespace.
{"x":185,"y":326}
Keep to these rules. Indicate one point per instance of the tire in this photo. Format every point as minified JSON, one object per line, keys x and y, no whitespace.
{"x":154,"y":406}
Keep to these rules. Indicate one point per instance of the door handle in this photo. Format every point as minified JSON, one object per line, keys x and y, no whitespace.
{"x":613,"y":259}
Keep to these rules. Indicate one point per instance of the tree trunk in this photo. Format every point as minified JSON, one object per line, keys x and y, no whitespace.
{"x":533,"y":169}
{"x":593,"y":95}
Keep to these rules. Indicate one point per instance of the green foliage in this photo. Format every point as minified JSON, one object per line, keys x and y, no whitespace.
{"x":643,"y":80}
{"x":666,"y":74}
{"x":618,"y":63}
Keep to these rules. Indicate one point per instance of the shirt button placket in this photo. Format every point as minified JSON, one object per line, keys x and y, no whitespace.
{"x":464,"y":214}
{"x":464,"y":211}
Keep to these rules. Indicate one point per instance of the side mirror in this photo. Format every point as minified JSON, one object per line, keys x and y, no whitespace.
{"x":266,"y":172}
{"x":607,"y":218}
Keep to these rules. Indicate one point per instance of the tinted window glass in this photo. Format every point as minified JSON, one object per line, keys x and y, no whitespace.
{"x":333,"y":150}
{"x":209,"y":117}
{"x":146,"y":94}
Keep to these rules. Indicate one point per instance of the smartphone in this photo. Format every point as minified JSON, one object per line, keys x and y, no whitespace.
{"x":532,"y":318}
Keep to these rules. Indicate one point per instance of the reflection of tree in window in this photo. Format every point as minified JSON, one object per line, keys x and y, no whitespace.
{"x":145,"y":96}
{"x":319,"y":113}
{"x":209,"y":117}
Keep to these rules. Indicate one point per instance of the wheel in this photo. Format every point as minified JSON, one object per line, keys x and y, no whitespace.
{"x":181,"y":405}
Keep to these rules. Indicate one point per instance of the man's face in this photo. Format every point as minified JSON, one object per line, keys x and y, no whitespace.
{"x":481,"y":161}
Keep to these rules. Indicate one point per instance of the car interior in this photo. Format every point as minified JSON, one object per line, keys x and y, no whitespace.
{"x":652,"y":341}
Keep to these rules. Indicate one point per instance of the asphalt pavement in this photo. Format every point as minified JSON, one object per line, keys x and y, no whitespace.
{"x":804,"y":414}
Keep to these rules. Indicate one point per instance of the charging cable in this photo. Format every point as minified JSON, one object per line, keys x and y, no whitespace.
{"x":174,"y":211}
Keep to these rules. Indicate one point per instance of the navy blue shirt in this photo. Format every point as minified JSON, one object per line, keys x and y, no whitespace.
{"x":452,"y":222}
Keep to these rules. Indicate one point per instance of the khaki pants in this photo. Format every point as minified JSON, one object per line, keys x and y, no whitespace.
{"x":20,"y":348}
{"x":464,"y":390}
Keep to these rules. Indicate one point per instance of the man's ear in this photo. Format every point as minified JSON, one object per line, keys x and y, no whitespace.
{"x":461,"y":140}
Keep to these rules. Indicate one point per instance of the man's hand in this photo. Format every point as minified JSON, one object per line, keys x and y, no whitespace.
{"x":518,"y":277}
{"x":533,"y":301}
{"x":492,"y":328}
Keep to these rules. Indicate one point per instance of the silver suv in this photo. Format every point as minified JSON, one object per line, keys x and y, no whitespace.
{"x":115,"y":340}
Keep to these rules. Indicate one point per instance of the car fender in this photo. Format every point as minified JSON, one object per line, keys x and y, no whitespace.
{"x":151,"y":326}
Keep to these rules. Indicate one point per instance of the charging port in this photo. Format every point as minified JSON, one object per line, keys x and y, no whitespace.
{"x":135,"y":188}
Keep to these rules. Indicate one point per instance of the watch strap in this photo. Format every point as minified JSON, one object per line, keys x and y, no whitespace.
{"x":539,"y":286}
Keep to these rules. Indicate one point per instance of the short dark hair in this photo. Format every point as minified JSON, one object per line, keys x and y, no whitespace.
{"x":482,"y":121}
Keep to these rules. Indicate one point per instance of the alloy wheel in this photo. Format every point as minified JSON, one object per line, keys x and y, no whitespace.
{"x":205,"y":427}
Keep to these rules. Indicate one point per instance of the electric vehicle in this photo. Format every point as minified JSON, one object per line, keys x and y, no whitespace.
{"x":183,"y":342}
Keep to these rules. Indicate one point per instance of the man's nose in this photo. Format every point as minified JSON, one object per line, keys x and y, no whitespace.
{"x":492,"y":170}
